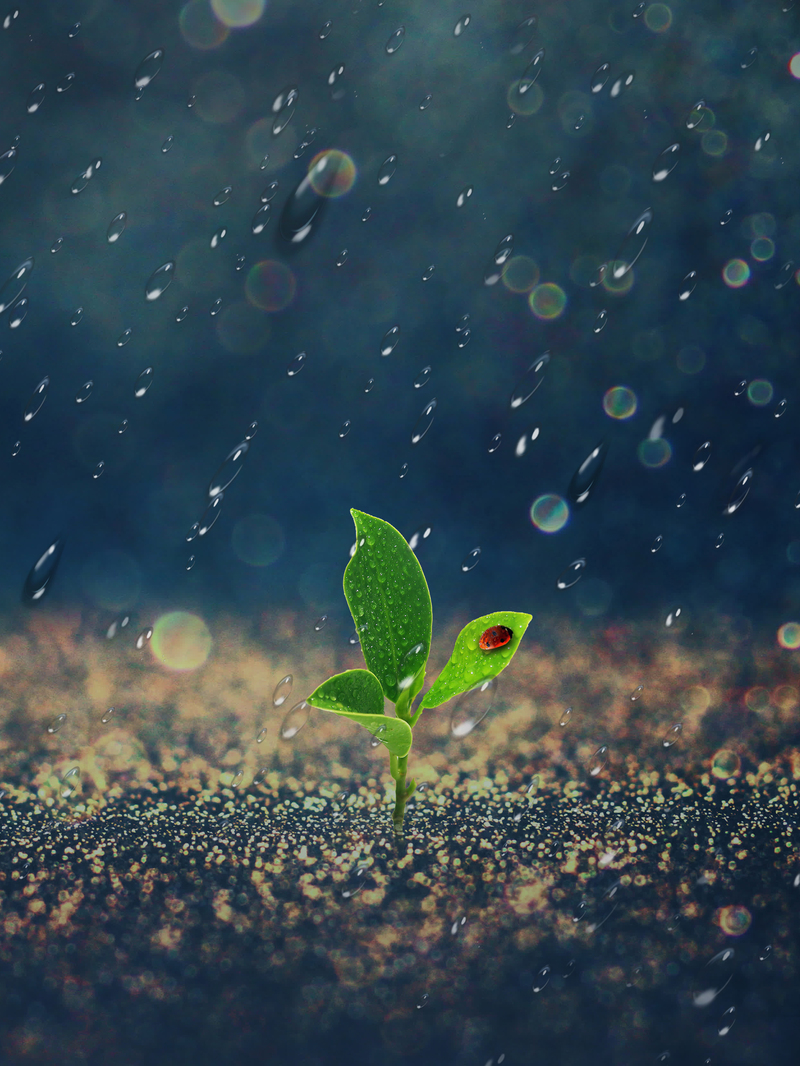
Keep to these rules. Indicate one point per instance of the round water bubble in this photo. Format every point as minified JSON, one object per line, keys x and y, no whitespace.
{"x":294,"y":721}
{"x":282,"y":691}
{"x":549,"y":513}
{"x":424,"y":422}
{"x":471,"y":560}
{"x":472,"y":708}
{"x":547,"y":301}
{"x":571,"y":575}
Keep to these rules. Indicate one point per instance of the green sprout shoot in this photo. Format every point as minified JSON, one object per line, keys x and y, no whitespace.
{"x":389,"y":600}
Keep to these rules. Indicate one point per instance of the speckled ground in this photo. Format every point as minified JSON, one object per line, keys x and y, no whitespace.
{"x":161,"y":905}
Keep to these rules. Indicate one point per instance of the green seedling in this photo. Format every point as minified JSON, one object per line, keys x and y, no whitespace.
{"x":389,"y":600}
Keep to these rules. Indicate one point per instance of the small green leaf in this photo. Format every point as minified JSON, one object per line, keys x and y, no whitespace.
{"x":469,"y":665}
{"x":390,"y":603}
{"x":357,"y":695}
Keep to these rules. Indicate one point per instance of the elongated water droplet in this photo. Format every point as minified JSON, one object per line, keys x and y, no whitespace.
{"x":216,"y":307}
{"x":70,"y":782}
{"x":424,"y":422}
{"x":282,"y":691}
{"x":740,"y":491}
{"x":541,"y":979}
{"x":159,"y":281}
{"x":107,"y":716}
{"x":66,"y":82}
{"x":624,"y":81}
{"x":341,"y":258}
{"x":123,"y":426}
{"x":471,"y":560}
{"x":325,"y":30}
{"x":701,"y":456}
{"x":688,"y":285}
{"x":600,"y":77}
{"x":294,"y":721}
{"x":222,"y":196}
{"x":461,"y":25}
{"x":495,"y":442}
{"x":148,"y":69}
{"x":344,"y":429}
{"x":472,"y":708}
{"x":35,"y":98}
{"x":13,"y":286}
{"x":84,"y":392}
{"x":390,"y":339}
{"x":143,"y":382}
{"x":403,"y":470}
{"x":387,"y":170}
{"x":565,"y":717}
{"x":296,"y":365}
{"x":657,"y":544}
{"x":632,"y":245}
{"x":210,"y":515}
{"x":780,"y":410}
{"x":38,"y":397}
{"x":58,"y":243}
{"x":144,"y":638}
{"x":598,"y":761}
{"x":637,"y":692}
{"x":530,"y":382}
{"x":218,"y":237}
{"x":422,"y":378}
{"x":116,"y":227}
{"x":181,"y":315}
{"x":230,"y":469}
{"x":762,"y":140}
{"x":56,"y":723}
{"x":261,"y":218}
{"x":166,"y":145}
{"x":585,"y":478}
{"x":124,"y":337}
{"x":666,"y":162}
{"x":425,"y":102}
{"x":681,"y":500}
{"x":464,"y":195}
{"x":673,"y":735}
{"x":571,"y":575}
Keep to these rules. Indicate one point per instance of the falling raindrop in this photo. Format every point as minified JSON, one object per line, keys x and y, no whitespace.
{"x":218,"y":237}
{"x":688,"y":285}
{"x":598,"y":761}
{"x":367,"y":214}
{"x":565,"y":717}
{"x":632,"y":245}
{"x":210,"y":515}
{"x":740,"y":491}
{"x":70,"y":782}
{"x":387,"y":169}
{"x":600,"y":77}
{"x":143,"y":382}
{"x":425,"y":101}
{"x":159,"y":281}
{"x":424,"y":422}
{"x":36,"y":401}
{"x":726,"y":217}
{"x":461,"y":25}
{"x":338,"y":89}
{"x":403,"y":470}
{"x":740,"y":388}
{"x":637,"y":692}
{"x":319,"y":625}
{"x":657,"y":544}
{"x":35,"y":98}
{"x":701,"y":456}
{"x":325,"y":30}
{"x":261,"y":218}
{"x":230,"y":469}
{"x":167,"y":144}
{"x":181,"y":315}
{"x":341,"y":258}
{"x":494,"y":443}
{"x":74,"y":30}
{"x":396,"y":40}
{"x":600,"y":321}
{"x":390,"y":339}
{"x":762,"y":140}
{"x":464,"y":338}
{"x":681,"y":500}
{"x":144,"y":638}
{"x":370,"y":385}
{"x":344,"y":429}
{"x":427,"y":274}
{"x":294,"y":721}
{"x":585,"y":478}
{"x":116,"y":227}
{"x":66,"y":82}
{"x":240,"y":261}
{"x":57,"y":723}
{"x":422,"y":378}
{"x":148,"y":69}
{"x":672,"y":617}
{"x":720,"y":540}
{"x":98,"y":470}
{"x":624,"y":81}
{"x":530,"y":382}
{"x":282,"y":691}
{"x":470,"y":561}
{"x":17,"y":313}
{"x":296,"y":365}
{"x":107,"y":716}
{"x":673,"y":735}
{"x":191,"y":561}
{"x":666,"y":162}
{"x":216,"y":307}
{"x":84,"y":392}
{"x":541,"y":979}
{"x":571,"y":575}
{"x":464,"y":195}
{"x":222,"y":196}
{"x":780,"y":410}
{"x":423,"y":1000}
{"x":472,"y":708}
{"x":57,"y":244}
{"x":13,"y":286}
{"x":418,"y":536}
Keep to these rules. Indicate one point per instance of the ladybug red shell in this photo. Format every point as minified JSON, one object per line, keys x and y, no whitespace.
{"x":495,"y":637}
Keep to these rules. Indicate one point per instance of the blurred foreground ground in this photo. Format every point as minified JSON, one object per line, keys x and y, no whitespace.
{"x":191,"y":893}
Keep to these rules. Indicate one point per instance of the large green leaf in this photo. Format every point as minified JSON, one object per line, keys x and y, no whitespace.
{"x":469,"y":665}
{"x":389,"y":600}
{"x":357,"y":695}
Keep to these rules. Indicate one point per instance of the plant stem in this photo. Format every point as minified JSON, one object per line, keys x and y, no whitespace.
{"x":399,"y":767}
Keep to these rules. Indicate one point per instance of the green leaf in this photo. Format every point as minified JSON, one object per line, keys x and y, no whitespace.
{"x":469,"y":665}
{"x":389,"y":600}
{"x":357,"y":695}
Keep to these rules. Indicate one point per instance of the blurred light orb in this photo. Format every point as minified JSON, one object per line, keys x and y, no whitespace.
{"x":332,"y":173}
{"x":691,"y":359}
{"x":258,"y":540}
{"x":725,"y":764}
{"x":760,"y":392}
{"x":238,"y":13}
{"x":549,"y":513}
{"x":270,"y":285}
{"x":695,"y":699}
{"x":547,"y":301}
{"x":736,"y":273}
{"x":525,"y":102}
{"x":520,"y":274}
{"x":658,"y":18}
{"x":794,"y":65}
{"x":199,"y":28}
{"x":757,"y":698}
{"x":789,"y":635}
{"x":714,"y":142}
{"x":654,"y":453}
{"x":620,"y":402}
{"x":734,"y":920}
{"x":762,"y":249}
{"x":181,"y":641}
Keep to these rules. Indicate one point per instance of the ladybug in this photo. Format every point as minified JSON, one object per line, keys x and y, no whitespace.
{"x":495,"y":637}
